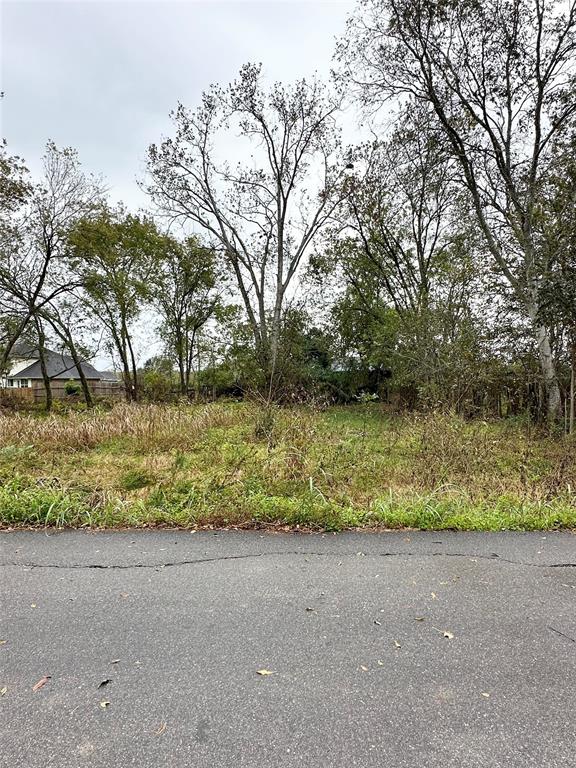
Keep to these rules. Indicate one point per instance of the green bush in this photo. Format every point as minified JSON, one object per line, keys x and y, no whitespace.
{"x":72,"y":388}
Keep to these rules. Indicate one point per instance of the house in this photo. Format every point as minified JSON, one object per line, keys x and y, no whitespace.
{"x":25,"y":373}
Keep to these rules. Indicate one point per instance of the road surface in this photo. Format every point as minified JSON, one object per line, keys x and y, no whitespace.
{"x":393,"y":650}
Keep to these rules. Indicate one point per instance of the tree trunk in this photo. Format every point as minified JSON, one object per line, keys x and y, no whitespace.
{"x":135,"y":388}
{"x":181,"y":361}
{"x":120,"y":344}
{"x":275,"y":339}
{"x":182,"y":376}
{"x":197,"y":388}
{"x":43,"y":368}
{"x":88,"y":399}
{"x":128,"y":388}
{"x":550,"y":380}
{"x":66,"y":337}
{"x":547,"y":366}
{"x":572,"y":385}
{"x":190,"y":341}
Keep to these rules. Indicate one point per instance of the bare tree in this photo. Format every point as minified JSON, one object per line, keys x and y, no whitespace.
{"x":262,"y":215}
{"x":33,"y":269}
{"x":499,"y":76}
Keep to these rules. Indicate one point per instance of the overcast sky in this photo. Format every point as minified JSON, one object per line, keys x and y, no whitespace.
{"x":102,"y":76}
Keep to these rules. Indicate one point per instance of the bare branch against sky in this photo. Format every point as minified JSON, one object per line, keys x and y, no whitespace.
{"x":103,"y":76}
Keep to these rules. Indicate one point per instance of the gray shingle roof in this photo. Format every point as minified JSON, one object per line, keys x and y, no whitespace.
{"x":59,"y":366}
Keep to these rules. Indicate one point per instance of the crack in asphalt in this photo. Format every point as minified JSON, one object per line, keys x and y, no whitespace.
{"x":222,"y":558}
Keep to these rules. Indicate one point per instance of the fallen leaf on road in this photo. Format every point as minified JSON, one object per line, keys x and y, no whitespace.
{"x":3,"y":691}
{"x":433,"y":595}
{"x":264,"y":672}
{"x":444,"y":633}
{"x":41,"y":683}
{"x":105,"y":682}
{"x":104,"y":704}
{"x":160,"y":730}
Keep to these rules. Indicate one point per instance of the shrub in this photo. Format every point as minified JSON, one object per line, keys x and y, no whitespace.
{"x":72,"y":388}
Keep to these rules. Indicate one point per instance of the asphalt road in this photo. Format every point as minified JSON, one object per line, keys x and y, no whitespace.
{"x":393,"y":650}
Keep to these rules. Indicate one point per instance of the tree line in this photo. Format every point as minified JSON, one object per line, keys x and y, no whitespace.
{"x":433,"y":263}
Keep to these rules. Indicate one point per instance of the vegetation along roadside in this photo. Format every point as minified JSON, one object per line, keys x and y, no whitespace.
{"x":237,"y":464}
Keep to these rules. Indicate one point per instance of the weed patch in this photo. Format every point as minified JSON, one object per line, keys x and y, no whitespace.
{"x":230,"y":464}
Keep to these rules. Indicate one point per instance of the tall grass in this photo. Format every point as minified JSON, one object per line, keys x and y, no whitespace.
{"x":343,"y":467}
{"x":153,"y":426}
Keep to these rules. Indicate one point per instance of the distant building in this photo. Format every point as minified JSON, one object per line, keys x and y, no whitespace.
{"x":25,"y":373}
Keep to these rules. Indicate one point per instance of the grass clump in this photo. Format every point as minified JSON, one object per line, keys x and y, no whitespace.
{"x":134,"y":479}
{"x":230,"y":464}
{"x":22,"y":501}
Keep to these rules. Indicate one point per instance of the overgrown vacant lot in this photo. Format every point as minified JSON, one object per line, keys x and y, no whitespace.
{"x":233,"y":464}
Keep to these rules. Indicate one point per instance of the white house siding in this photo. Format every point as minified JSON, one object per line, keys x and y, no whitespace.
{"x":19,"y":365}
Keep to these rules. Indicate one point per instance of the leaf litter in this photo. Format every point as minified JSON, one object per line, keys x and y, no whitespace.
{"x":41,"y":683}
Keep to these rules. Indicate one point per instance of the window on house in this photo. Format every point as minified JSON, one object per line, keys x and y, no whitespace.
{"x":19,"y":383}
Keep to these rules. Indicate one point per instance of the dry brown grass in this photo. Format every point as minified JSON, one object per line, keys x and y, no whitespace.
{"x":144,"y":464}
{"x":149,"y":425}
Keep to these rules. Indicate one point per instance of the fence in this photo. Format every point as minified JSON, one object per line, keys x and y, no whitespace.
{"x":37,"y":394}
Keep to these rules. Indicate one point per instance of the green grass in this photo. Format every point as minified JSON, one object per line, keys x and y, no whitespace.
{"x":229,"y":464}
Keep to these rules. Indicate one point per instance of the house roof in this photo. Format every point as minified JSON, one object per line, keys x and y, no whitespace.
{"x":59,"y":366}
{"x":22,"y":350}
{"x":110,"y":376}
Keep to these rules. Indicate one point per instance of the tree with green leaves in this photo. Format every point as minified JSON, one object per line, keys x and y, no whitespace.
{"x":498,"y":76}
{"x":186,"y":288}
{"x":406,"y":256}
{"x":15,"y":186}
{"x":558,"y":225}
{"x":113,"y":256}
